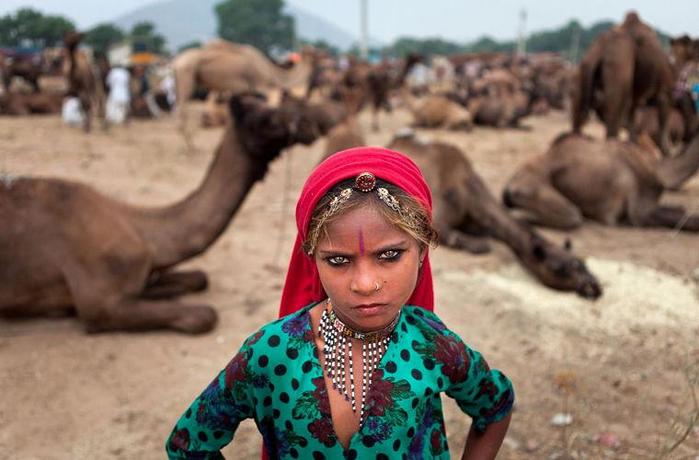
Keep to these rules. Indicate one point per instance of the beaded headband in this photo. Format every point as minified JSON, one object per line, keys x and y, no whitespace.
{"x":366,"y":183}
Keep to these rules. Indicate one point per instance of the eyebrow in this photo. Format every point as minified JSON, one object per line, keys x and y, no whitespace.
{"x":398,"y":244}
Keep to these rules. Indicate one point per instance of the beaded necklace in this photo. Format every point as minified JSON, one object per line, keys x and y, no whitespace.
{"x":337,"y":338}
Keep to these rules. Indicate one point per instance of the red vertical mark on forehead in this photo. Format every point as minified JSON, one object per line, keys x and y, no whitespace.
{"x":360,"y":236}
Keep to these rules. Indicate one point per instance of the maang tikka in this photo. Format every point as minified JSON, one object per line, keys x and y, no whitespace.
{"x":337,"y":340}
{"x":364,"y":182}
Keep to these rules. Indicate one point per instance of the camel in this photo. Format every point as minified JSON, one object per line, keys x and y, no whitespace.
{"x":215,"y":109}
{"x":343,"y":136}
{"x":438,"y":112}
{"x":84,"y":82}
{"x":12,"y":103}
{"x":380,"y":81}
{"x":325,"y":114}
{"x":66,"y":247}
{"x":647,"y":121}
{"x":622,"y":70}
{"x":465,"y":213}
{"x":224,"y":66}
{"x":610,"y":181}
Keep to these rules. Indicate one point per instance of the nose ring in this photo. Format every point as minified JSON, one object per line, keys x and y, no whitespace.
{"x":378,"y":287}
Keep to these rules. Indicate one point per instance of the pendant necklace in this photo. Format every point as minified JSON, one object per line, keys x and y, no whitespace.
{"x":337,"y":339}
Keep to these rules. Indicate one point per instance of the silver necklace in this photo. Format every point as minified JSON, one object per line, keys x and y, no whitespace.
{"x":337,"y":339}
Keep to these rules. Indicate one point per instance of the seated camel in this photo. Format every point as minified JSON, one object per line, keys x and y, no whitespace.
{"x":343,"y":136}
{"x":12,"y":103}
{"x":438,"y":112}
{"x":69,"y":248}
{"x":610,"y":181}
{"x":466,"y":214}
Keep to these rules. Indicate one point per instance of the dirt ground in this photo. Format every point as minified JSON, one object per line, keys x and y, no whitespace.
{"x":619,"y":365}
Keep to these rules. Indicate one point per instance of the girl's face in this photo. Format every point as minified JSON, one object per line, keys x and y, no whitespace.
{"x":359,"y":252}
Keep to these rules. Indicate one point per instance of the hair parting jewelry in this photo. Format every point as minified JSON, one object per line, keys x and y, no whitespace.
{"x":366,"y":183}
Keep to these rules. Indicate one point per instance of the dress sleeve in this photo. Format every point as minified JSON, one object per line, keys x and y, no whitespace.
{"x":485,"y":394}
{"x":212,"y":419}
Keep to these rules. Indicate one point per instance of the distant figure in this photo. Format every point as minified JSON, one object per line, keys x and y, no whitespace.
{"x":119,"y":97}
{"x":71,"y":112}
{"x":167,"y":86}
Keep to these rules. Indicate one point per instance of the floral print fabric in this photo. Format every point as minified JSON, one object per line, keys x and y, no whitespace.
{"x":276,"y":379}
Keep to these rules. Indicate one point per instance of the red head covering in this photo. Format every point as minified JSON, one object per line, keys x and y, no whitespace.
{"x":303,"y":285}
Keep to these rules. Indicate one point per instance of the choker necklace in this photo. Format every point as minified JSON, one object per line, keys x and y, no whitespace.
{"x":337,"y":339}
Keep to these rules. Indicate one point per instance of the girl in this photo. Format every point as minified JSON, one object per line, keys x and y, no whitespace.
{"x":356,"y":365}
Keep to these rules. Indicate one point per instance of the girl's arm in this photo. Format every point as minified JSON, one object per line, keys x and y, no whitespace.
{"x":485,"y":445}
{"x":211,"y":420}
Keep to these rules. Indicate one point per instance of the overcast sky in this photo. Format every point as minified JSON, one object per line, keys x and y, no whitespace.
{"x":460,"y":20}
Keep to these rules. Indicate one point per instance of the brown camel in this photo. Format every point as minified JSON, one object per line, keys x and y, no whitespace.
{"x":381,"y":80}
{"x":84,"y":82}
{"x":29,"y":68}
{"x":647,"y":121}
{"x":67,"y":247}
{"x":624,"y":69}
{"x":216,"y":111}
{"x":438,"y":112}
{"x":466,"y":213}
{"x":610,"y":181}
{"x":325,"y":114}
{"x":224,"y":66}
{"x":12,"y":103}
{"x":345,"y":135}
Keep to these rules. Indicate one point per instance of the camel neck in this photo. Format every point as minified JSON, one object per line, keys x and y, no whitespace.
{"x":187,"y":228}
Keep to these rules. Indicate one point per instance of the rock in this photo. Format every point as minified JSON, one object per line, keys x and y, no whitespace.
{"x":511,"y":443}
{"x":608,"y":440}
{"x":561,"y":419}
{"x":531,"y":445}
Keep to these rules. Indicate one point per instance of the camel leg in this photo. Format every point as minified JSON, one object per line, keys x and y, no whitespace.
{"x":86,"y":105}
{"x":663,"y":125}
{"x":456,"y":239}
{"x":163,"y":285}
{"x":675,"y":217}
{"x":147,"y":315}
{"x":544,"y":205}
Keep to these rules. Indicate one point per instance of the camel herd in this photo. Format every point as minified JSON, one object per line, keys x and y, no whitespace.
{"x":130,"y":280}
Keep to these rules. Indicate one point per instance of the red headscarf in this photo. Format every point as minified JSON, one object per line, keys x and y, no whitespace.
{"x":303,"y":285}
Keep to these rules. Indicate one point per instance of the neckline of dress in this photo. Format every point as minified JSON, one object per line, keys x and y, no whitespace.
{"x":316,"y":356}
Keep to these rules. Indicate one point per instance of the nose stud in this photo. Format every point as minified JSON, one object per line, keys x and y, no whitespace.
{"x":378,"y":287}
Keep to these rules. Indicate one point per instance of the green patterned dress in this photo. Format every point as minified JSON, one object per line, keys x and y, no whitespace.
{"x":276,"y":379}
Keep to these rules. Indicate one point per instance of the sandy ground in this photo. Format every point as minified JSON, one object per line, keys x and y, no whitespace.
{"x":69,"y":395}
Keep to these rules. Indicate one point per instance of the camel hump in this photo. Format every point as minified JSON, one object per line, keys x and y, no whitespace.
{"x":632,"y":18}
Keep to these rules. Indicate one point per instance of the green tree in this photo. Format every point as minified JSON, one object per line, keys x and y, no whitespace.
{"x":145,"y":38}
{"x":102,"y":36}
{"x":31,"y":27}
{"x":260,"y":23}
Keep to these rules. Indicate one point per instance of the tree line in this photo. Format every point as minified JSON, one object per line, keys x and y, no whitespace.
{"x":263,"y":24}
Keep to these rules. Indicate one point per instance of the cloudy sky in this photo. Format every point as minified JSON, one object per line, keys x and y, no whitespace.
{"x":460,"y":20}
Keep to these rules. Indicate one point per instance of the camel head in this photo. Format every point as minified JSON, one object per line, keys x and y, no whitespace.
{"x":265,"y":130}
{"x":72,"y":38}
{"x":558,"y":268}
